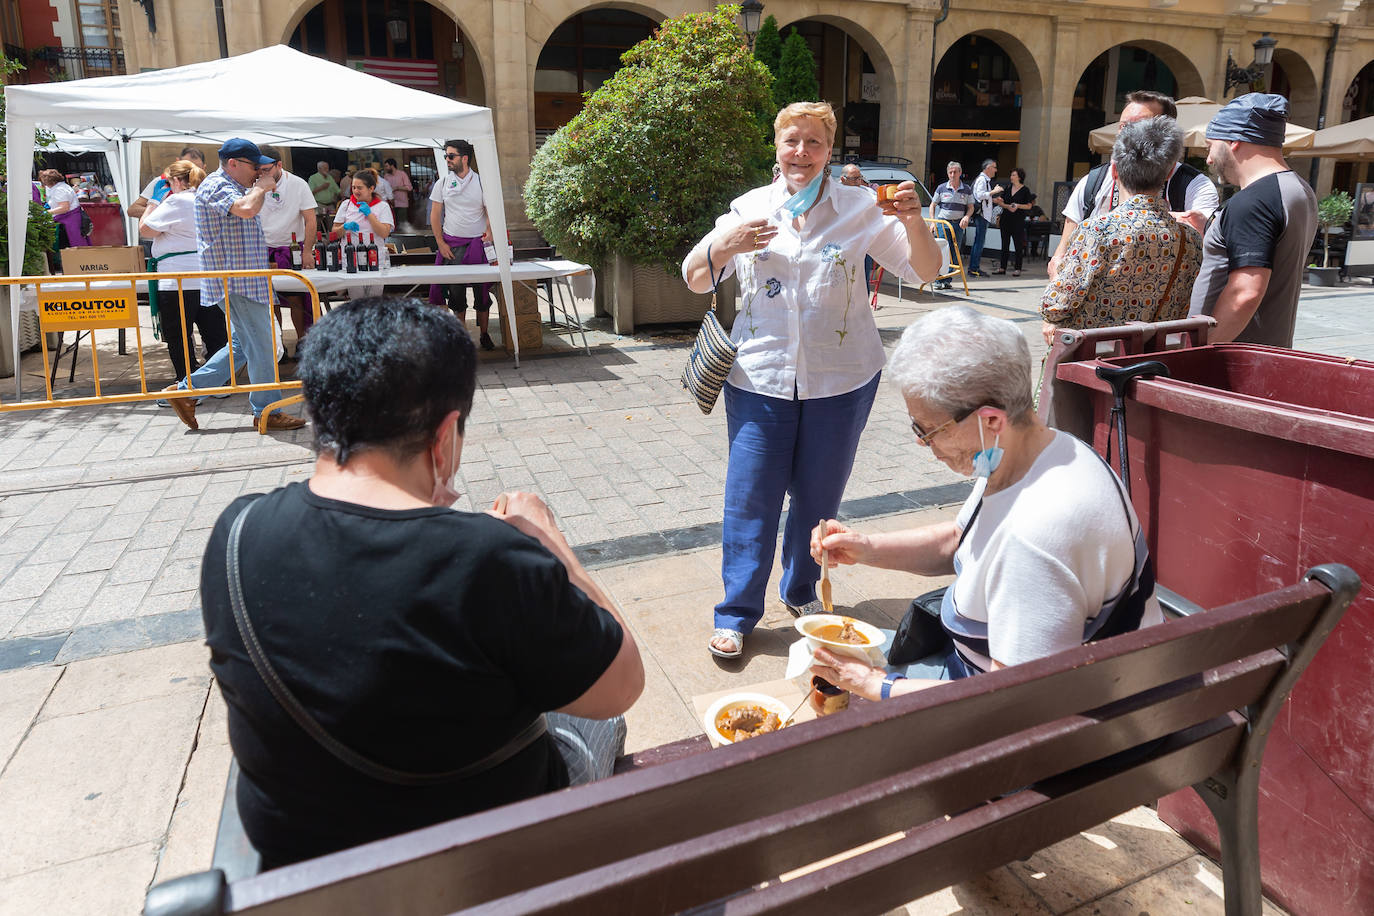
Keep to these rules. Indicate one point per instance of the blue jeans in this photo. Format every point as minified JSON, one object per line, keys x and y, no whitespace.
{"x":980,"y":234}
{"x":956,"y":243}
{"x":804,"y":449}
{"x":253,"y":343}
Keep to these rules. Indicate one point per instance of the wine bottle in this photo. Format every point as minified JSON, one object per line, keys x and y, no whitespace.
{"x":374,"y":257}
{"x":297,"y":259}
{"x":334,"y":255}
{"x":321,"y":255}
{"x":350,"y":254}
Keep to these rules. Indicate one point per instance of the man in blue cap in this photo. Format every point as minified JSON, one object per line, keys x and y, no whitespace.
{"x":1256,"y":248}
{"x":229,"y":236}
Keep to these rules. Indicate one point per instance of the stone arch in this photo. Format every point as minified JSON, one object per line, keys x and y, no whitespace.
{"x":1302,"y":88}
{"x":549,"y":16}
{"x":474,"y":25}
{"x":882,"y":65}
{"x":1190,"y":81}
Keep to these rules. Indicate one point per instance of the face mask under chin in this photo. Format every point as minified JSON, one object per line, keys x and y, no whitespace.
{"x":444,"y":494}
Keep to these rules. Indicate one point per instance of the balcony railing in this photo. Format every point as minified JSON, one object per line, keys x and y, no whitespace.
{"x":78,"y":63}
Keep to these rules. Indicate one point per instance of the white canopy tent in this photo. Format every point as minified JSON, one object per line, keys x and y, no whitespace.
{"x":218,"y":99}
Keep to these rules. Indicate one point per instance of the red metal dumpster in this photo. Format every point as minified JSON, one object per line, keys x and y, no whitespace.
{"x":1250,"y":465}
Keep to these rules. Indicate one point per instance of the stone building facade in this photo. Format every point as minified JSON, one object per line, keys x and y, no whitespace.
{"x":1021,"y":80}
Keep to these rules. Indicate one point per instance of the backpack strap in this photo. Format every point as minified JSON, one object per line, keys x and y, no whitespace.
{"x":1092,"y":184}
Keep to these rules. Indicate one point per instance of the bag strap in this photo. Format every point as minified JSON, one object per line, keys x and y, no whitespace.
{"x":715,"y":277}
{"x":288,"y":702}
{"x":1178,"y":261}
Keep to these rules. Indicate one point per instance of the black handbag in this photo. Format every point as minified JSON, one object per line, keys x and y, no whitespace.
{"x":87,"y":227}
{"x":920,"y":633}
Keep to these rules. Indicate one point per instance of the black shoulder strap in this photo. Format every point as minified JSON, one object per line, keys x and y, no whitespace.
{"x":1092,"y":184}
{"x":297,"y":712}
{"x":1178,"y":186}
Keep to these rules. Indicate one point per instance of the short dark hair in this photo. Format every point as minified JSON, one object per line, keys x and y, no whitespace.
{"x":192,"y":151}
{"x":382,"y":373}
{"x":1019,"y":173}
{"x":464,"y":148}
{"x":1150,"y":97}
{"x":388,"y":161}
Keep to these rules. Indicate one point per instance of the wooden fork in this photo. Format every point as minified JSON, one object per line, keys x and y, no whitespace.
{"x":826,"y":601}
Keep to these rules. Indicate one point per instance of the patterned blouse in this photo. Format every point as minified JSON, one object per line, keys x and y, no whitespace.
{"x":1119,"y":266}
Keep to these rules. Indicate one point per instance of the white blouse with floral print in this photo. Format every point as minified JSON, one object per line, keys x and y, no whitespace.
{"x":804,"y":327}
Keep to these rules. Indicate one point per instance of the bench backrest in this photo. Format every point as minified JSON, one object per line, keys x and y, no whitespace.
{"x":715,"y":825}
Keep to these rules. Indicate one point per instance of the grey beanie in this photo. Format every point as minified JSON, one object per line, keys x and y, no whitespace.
{"x":1256,"y":117}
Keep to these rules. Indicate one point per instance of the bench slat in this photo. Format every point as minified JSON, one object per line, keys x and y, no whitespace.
{"x":709,"y":867}
{"x":999,"y":832}
{"x":486,"y":856}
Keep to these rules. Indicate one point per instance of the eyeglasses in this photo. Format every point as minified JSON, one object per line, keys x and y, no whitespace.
{"x":927,"y":437}
{"x":452,"y":156}
{"x":245,"y":162}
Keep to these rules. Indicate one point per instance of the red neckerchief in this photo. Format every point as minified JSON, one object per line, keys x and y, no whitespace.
{"x":371,"y":203}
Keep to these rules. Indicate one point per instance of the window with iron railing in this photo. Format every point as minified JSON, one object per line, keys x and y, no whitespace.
{"x":100,"y":38}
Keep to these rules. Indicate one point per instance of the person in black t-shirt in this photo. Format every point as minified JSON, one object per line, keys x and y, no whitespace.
{"x":422,"y":639}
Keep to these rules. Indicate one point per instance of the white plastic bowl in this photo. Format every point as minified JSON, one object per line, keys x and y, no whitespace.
{"x":772,"y":704}
{"x":806,"y":625}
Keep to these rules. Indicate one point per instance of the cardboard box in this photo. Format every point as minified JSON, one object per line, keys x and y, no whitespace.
{"x":104,"y":259}
{"x":528,"y":328}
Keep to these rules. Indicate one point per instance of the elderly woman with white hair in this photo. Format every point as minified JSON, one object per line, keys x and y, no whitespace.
{"x":1047,"y":551}
{"x":809,"y":354}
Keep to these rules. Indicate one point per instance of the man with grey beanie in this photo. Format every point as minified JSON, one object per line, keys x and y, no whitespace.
{"x":1256,"y":247}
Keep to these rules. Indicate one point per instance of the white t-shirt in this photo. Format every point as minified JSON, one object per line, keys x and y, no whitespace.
{"x":1200,"y":195}
{"x":281,"y":211}
{"x":384,"y":189}
{"x":803,"y":290}
{"x":150,"y":188}
{"x":1045,"y":554}
{"x":465,"y":211}
{"x":349,"y":212}
{"x":62,"y":193}
{"x":175,"y":218}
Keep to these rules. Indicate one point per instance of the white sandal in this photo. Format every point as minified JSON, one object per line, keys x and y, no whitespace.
{"x":726,"y":633}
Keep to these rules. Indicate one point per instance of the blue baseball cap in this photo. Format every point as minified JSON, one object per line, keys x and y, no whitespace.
{"x":239,"y":148}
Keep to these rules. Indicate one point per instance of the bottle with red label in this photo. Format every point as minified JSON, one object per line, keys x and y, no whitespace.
{"x":374,"y":258}
{"x":321,"y":252}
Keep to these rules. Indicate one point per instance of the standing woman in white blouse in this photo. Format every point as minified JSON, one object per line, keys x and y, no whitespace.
{"x":809,"y":355}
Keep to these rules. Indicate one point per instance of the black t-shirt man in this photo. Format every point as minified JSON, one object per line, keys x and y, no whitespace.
{"x":423,"y":639}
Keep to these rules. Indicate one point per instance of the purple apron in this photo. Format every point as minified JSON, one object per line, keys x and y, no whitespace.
{"x":473,"y":253}
{"x":279,"y":256}
{"x":71,"y":221}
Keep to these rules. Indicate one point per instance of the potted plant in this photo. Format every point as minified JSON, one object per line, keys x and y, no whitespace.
{"x":1332,"y":210}
{"x":655,"y":155}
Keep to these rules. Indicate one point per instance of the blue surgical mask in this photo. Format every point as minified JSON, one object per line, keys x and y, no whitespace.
{"x":985,"y":461}
{"x":800,"y":202}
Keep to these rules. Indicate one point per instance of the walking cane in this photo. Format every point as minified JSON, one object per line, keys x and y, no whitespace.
{"x":1118,"y":377}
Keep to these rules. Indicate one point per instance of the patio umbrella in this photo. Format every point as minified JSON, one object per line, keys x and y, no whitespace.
{"x":1194,"y":114}
{"x":1353,"y":140}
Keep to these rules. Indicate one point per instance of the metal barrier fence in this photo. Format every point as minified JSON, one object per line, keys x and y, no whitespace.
{"x":956,"y":258}
{"x":86,"y":304}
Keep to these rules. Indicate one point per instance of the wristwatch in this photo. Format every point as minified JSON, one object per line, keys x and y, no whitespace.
{"x":888,"y":682}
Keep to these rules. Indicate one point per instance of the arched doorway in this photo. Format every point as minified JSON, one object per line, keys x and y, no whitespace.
{"x":976,"y":104}
{"x":1357,"y":103}
{"x":1291,"y":76}
{"x":580,"y":55}
{"x":850,"y":80}
{"x":1102,"y":89}
{"x":409,"y":42}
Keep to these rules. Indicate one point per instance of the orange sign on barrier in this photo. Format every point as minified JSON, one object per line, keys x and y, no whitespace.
{"x":64,"y":310}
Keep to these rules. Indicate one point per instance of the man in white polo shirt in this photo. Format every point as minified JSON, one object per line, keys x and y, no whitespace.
{"x":458,"y":216}
{"x":289,"y":210}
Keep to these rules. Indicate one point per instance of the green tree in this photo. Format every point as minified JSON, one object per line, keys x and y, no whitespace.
{"x":42,"y":231}
{"x":796,"y":73}
{"x":659,"y":150}
{"x":768,"y":44}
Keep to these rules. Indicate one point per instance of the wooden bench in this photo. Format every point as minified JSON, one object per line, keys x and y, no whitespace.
{"x":1191,"y":700}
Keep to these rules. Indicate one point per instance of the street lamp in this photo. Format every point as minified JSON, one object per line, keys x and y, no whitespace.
{"x":1245,"y":76}
{"x":396,"y":26}
{"x":751,"y":14}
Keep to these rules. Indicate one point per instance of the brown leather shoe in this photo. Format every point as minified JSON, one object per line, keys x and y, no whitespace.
{"x":280,"y":421}
{"x":185,"y":408}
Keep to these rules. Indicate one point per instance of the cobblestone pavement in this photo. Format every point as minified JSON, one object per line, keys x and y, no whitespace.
{"x":104,"y":512}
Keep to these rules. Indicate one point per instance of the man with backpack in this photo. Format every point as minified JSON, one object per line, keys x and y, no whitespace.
{"x":1191,"y":196}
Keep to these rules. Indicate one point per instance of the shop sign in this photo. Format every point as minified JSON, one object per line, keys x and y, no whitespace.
{"x":66,"y":310}
{"x":975,"y":135}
